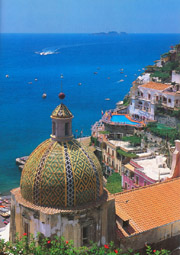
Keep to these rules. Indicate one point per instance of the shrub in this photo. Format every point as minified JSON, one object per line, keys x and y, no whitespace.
{"x":126,"y":154}
{"x":58,"y":246}
{"x":94,"y":140}
{"x":126,"y":100}
{"x":114,"y":183}
{"x":170,"y":134}
{"x":105,"y":132}
{"x":134,"y":140}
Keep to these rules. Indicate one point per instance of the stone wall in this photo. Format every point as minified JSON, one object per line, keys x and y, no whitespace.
{"x":168,"y":121}
{"x":152,"y":142}
{"x":119,"y":129}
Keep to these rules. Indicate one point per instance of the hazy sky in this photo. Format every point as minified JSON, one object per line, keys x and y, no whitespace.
{"x":87,"y":16}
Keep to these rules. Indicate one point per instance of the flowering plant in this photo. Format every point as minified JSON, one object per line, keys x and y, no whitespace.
{"x":29,"y":245}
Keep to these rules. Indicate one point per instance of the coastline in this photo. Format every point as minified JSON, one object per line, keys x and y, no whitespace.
{"x":86,"y":101}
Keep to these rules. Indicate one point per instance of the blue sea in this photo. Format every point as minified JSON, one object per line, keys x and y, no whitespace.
{"x":25,"y":116}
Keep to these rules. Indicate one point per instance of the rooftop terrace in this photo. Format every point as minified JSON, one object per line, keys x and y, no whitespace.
{"x":155,"y":168}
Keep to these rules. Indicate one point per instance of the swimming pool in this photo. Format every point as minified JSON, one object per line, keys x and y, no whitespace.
{"x":123,"y":119}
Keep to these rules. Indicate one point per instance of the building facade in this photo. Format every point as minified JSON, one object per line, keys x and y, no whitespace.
{"x":146,"y":171}
{"x":149,"y":95}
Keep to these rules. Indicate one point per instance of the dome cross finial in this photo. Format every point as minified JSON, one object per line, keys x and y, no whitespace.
{"x":61,"y":94}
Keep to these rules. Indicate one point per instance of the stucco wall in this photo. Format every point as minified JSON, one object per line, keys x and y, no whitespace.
{"x":175,"y":77}
{"x":141,"y":179}
{"x":152,"y":236}
{"x":100,"y":221}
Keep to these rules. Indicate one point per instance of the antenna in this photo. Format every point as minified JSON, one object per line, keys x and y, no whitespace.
{"x":61,"y":82}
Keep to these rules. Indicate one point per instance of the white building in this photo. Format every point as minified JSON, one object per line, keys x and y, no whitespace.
{"x":148,"y":95}
{"x":175,"y":77}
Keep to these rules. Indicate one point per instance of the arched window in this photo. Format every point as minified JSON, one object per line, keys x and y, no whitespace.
{"x":53,"y":128}
{"x":66,"y":129}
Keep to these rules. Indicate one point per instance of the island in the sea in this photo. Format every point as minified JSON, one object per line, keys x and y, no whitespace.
{"x":110,"y":33}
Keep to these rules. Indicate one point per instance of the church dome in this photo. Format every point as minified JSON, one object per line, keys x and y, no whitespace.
{"x":61,"y":174}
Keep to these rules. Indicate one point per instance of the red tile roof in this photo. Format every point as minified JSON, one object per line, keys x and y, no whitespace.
{"x":149,"y":207}
{"x":155,"y":85}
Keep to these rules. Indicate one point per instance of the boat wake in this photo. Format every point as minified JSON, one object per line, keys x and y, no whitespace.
{"x":55,"y":50}
{"x":47,"y":51}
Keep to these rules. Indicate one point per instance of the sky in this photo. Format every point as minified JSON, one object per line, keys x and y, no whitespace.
{"x":89,"y":16}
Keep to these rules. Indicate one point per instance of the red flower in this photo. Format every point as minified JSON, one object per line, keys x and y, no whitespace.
{"x":106,"y":246}
{"x":48,"y":241}
{"x":25,"y":234}
{"x":67,"y":242}
{"x":154,"y":251}
{"x":116,"y":251}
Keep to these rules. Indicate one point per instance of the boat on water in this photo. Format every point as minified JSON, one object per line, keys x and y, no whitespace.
{"x":22,"y":160}
{"x":7,"y":75}
{"x":108,"y":78}
{"x":35,"y":79}
{"x":95,"y":72}
{"x":46,"y":53}
{"x":79,"y":83}
{"x":107,"y":99}
{"x":30,"y":82}
{"x":125,"y":75}
{"x":44,"y":95}
{"x":121,"y":72}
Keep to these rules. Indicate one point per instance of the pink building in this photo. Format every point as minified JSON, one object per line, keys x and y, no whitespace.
{"x":142,"y":172}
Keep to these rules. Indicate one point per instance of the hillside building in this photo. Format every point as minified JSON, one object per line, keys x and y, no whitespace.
{"x":151,"y":94}
{"x":146,"y":171}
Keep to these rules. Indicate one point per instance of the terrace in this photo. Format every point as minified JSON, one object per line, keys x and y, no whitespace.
{"x":116,"y":119}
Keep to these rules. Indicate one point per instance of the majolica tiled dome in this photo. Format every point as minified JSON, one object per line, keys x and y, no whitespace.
{"x":61,"y":174}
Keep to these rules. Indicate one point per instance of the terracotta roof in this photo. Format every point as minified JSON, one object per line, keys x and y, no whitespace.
{"x":122,"y":214}
{"x":151,"y":206}
{"x":155,"y":85}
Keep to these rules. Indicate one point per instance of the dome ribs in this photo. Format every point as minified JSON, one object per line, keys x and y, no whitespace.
{"x":69,"y":178}
{"x":95,"y":173}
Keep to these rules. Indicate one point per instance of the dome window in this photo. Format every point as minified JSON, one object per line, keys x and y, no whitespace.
{"x":66,"y":129}
{"x":53,"y":128}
